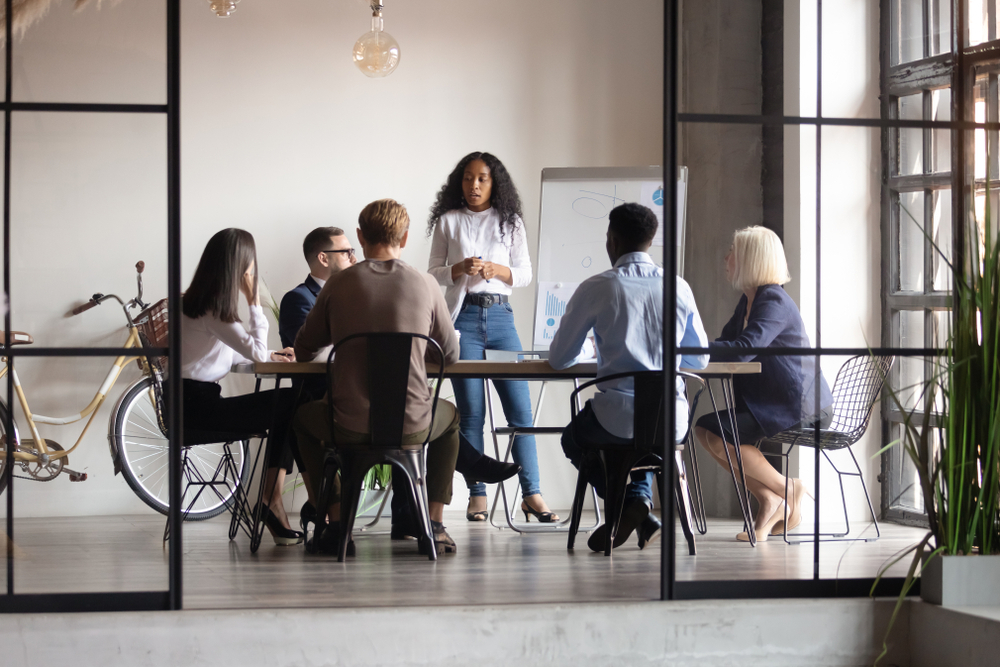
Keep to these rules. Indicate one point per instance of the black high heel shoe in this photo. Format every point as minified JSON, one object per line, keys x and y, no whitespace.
{"x":283,"y":537}
{"x":490,"y":471}
{"x":543,"y":517}
{"x":307,"y":515}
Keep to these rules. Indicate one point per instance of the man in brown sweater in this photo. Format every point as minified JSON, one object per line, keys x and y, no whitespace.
{"x":380,"y":294}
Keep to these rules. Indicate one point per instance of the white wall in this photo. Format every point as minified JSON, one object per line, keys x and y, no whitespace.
{"x":281,"y":134}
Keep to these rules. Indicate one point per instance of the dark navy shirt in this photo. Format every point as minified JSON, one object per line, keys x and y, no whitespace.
{"x":782,"y":395}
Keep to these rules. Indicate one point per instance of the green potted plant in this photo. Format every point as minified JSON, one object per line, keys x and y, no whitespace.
{"x":959,"y":558}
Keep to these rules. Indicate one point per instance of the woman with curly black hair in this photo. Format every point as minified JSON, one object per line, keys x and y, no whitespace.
{"x":479,"y":252}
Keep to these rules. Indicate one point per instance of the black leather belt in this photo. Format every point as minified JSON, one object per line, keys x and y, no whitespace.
{"x":484,"y":299}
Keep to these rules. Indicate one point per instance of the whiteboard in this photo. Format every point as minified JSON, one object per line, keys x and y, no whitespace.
{"x":572,"y":228}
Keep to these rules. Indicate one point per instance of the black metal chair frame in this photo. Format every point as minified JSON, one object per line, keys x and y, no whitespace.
{"x":643,"y":453}
{"x":388,"y":369}
{"x":226,"y":473}
{"x":857,"y":387}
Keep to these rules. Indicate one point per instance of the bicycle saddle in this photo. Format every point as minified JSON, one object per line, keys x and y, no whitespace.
{"x":17,"y":338}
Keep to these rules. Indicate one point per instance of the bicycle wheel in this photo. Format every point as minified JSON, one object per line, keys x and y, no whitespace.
{"x":4,"y":441}
{"x":143,"y":451}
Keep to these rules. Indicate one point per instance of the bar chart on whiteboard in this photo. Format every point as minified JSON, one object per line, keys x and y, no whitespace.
{"x":549,"y":309}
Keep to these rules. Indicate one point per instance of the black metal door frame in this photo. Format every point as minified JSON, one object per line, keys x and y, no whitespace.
{"x":12,"y":601}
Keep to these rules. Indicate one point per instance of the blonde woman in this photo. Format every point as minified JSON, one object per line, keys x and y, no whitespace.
{"x":782,"y":395}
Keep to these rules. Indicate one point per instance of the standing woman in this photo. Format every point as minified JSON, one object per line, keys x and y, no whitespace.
{"x":479,"y":252}
{"x":212,"y":340}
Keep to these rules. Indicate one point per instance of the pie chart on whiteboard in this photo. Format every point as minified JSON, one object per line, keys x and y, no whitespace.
{"x":658,"y":196}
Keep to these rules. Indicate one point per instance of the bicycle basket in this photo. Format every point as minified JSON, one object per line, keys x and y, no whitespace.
{"x":152,"y":325}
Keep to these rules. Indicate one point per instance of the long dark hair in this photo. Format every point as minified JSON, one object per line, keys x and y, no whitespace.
{"x":215,"y":287}
{"x":503,"y":196}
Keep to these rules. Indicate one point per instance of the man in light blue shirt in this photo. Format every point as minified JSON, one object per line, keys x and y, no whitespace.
{"x":624,"y":308}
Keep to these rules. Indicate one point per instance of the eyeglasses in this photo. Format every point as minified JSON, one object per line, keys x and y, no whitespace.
{"x":349,"y":251}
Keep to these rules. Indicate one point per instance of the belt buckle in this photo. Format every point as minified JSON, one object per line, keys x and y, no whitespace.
{"x":487,"y":300}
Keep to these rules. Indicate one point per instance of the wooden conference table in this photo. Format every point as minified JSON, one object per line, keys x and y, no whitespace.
{"x":534,"y":369}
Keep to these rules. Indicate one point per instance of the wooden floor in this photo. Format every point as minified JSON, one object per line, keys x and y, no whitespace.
{"x":125,"y":553}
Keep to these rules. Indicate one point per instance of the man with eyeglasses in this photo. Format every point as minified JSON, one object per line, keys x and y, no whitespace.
{"x":327,"y":252}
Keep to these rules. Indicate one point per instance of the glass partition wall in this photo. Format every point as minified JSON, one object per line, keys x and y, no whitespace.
{"x":78,"y":215}
{"x":861,"y":183}
{"x":874,"y":171}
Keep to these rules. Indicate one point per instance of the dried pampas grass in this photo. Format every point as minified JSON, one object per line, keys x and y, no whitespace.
{"x":26,"y":12}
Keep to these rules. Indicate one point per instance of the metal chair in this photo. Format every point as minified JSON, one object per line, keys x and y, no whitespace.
{"x":513,"y":431}
{"x":858,"y":385}
{"x":643,"y":453}
{"x":226,"y":481}
{"x":388,"y":373}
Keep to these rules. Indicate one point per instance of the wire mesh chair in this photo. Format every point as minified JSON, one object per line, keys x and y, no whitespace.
{"x":858,"y":385}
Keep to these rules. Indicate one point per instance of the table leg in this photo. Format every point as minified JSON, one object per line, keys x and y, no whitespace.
{"x":741,"y":495}
{"x":730,"y":395}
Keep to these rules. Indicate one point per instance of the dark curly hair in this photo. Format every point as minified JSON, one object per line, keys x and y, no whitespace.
{"x":503,"y":197}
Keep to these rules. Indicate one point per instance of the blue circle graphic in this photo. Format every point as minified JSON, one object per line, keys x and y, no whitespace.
{"x":551,"y":322}
{"x":658,"y":197}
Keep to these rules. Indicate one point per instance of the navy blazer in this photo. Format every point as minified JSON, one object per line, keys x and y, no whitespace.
{"x":295,"y":305}
{"x":782,"y":395}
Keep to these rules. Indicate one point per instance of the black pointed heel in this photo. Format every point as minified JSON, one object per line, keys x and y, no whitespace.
{"x":283,"y":537}
{"x":307,"y":515}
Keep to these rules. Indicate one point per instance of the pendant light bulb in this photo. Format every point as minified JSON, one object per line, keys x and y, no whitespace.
{"x":223,"y":8}
{"x":376,"y":53}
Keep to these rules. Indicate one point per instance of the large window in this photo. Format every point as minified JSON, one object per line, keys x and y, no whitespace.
{"x":939,"y":64}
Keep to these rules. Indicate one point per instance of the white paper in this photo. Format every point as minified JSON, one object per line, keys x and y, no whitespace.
{"x":549,"y":309}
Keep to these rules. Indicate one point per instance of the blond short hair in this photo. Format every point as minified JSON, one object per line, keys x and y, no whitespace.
{"x":384,"y":222}
{"x":760,"y":258}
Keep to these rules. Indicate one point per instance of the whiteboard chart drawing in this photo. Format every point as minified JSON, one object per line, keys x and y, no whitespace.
{"x":549,"y":309}
{"x":573,"y":223}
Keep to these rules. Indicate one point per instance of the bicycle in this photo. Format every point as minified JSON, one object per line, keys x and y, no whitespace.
{"x":136,"y":428}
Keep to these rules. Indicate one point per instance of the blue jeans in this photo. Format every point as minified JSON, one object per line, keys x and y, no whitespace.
{"x":493,"y":329}
{"x":585,"y":433}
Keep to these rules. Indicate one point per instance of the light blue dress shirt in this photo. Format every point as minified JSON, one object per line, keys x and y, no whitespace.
{"x":624,"y":307}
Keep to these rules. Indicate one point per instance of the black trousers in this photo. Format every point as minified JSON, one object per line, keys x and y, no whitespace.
{"x":206,"y":410}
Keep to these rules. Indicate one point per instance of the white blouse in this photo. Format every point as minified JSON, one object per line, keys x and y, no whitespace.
{"x":210,"y":347}
{"x":462,"y":233}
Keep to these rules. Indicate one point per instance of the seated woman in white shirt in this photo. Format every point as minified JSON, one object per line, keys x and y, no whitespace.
{"x":212,"y":340}
{"x":479,"y":252}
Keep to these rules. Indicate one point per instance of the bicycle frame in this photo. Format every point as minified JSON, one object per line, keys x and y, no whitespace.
{"x":91,"y":410}
{"x":42,"y":452}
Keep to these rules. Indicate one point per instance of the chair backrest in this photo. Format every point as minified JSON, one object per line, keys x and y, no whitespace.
{"x":858,"y":385}
{"x":647,"y":415}
{"x":388,"y":371}
{"x":647,"y":406}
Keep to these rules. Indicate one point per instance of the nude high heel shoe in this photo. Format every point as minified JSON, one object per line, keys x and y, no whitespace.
{"x":794,"y":510}
{"x":767,"y":529}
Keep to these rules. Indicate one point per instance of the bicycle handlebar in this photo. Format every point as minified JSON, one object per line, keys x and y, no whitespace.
{"x":137,"y":302}
{"x":87,"y":306}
